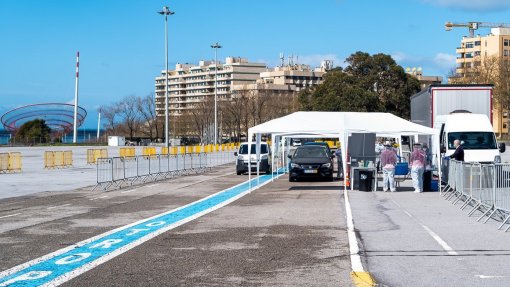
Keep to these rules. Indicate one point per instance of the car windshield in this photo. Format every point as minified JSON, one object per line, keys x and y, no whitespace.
{"x":310,"y":152}
{"x":473,"y":140}
{"x":244,"y":149}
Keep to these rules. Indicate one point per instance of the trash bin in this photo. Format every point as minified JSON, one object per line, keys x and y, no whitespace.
{"x":365,"y":180}
{"x":427,"y":180}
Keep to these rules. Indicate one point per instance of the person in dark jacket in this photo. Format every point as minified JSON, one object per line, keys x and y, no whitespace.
{"x":459,"y":151}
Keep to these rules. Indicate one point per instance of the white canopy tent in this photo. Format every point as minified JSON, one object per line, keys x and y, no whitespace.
{"x":339,"y":125}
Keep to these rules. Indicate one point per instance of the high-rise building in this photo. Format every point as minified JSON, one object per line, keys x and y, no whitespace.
{"x":475,"y":55}
{"x":191,"y":84}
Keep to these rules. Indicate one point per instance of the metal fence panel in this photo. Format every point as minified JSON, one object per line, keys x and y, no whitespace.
{"x":130,"y":166}
{"x":154,"y":164}
{"x":104,"y":168}
{"x":502,"y":190}
{"x":143,"y":165}
{"x":118,"y":169}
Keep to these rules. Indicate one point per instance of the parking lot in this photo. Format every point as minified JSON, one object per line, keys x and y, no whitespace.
{"x":284,"y":233}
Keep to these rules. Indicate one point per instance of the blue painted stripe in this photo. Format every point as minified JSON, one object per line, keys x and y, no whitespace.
{"x":59,"y":265}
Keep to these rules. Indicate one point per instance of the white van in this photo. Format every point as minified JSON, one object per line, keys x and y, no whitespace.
{"x":242,"y":158}
{"x":475,"y":134}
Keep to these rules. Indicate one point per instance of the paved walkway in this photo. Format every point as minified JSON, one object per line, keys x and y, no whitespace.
{"x":414,"y":239}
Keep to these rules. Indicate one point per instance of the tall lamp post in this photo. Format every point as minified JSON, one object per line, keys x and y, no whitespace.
{"x":166,"y":11}
{"x":216,"y":46}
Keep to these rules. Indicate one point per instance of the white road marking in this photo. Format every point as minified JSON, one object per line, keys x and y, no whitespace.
{"x":434,"y":235}
{"x":57,"y":206}
{"x":153,"y":185}
{"x":128,"y":191}
{"x":490,"y":276}
{"x":10,"y":215}
{"x":353,"y":241}
{"x":104,"y":196}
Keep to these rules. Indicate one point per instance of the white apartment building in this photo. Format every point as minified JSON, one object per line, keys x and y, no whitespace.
{"x":190,"y":84}
{"x":289,"y":78}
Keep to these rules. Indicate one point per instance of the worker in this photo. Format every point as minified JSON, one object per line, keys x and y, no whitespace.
{"x":428,"y":156}
{"x":459,"y":151}
{"x":417,"y":164}
{"x":388,"y":161}
{"x":340,"y":169}
{"x":379,"y":147}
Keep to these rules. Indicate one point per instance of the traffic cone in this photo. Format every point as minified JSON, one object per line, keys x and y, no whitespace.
{"x":347,"y":181}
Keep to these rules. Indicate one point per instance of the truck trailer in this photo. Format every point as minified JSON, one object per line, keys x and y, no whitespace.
{"x":440,"y":100}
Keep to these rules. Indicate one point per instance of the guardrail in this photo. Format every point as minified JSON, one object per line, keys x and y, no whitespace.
{"x":58,"y":159}
{"x":94,"y":154}
{"x":117,"y":172}
{"x":10,"y":162}
{"x":484,"y":187}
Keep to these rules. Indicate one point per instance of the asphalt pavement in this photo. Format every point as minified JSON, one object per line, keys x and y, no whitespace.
{"x":280,"y":235}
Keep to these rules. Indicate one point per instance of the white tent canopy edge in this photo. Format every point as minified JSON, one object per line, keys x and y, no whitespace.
{"x":338,"y":125}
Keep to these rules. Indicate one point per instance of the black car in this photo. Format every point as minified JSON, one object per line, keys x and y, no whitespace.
{"x":311,"y":161}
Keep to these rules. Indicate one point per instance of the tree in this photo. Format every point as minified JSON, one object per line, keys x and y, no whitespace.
{"x":146,"y":107}
{"x":32,"y":131}
{"x":369,"y":83}
{"x":130,"y":119}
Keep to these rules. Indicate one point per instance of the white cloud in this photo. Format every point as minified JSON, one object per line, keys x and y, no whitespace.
{"x":472,"y":5}
{"x":439,"y":64}
{"x":444,"y":60}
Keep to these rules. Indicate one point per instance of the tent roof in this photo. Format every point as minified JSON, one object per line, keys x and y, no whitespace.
{"x":336,"y":123}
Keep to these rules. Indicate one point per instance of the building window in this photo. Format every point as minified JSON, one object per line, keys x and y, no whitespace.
{"x":506,"y":42}
{"x":469,"y":55}
{"x":469,"y":45}
{"x":477,"y":53}
{"x":478,"y":43}
{"x":505,"y":53}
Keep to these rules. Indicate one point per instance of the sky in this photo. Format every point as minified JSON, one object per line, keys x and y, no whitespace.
{"x":121,"y":43}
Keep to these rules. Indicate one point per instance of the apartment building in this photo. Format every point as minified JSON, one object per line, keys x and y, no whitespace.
{"x":479,"y":50}
{"x":191,"y":84}
{"x":288,"y":78}
{"x":425,"y":81}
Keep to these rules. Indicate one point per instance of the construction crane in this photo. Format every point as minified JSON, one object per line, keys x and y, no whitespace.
{"x":474,"y":26}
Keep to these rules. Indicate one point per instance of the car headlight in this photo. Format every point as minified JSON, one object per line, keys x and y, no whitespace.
{"x":263,"y":157}
{"x":326,"y":165}
{"x":240,"y":158}
{"x":294,"y":165}
{"x":497,"y":159}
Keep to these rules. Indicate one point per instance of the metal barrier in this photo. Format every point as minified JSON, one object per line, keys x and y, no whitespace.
{"x":485,"y":187}
{"x":127,"y":151}
{"x":149,"y":151}
{"x":10,"y":162}
{"x":94,"y":154}
{"x":4,"y":162}
{"x":119,"y":171}
{"x":58,"y":159}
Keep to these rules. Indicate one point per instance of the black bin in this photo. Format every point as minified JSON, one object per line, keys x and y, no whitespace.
{"x":427,"y":180}
{"x":365,"y":180}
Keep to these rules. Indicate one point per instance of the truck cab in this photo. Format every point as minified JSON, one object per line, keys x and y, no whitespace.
{"x":475,"y":133}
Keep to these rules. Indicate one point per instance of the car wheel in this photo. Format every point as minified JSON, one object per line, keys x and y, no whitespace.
{"x":331,"y":178}
{"x":239,"y":173}
{"x":292,"y":179}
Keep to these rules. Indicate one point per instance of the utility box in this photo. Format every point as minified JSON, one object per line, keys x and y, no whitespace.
{"x":116,"y":141}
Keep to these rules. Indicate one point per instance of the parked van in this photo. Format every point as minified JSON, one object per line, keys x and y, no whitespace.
{"x":475,"y":133}
{"x":242,"y":158}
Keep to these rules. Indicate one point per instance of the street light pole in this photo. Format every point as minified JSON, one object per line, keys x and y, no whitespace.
{"x":216,"y":46}
{"x":166,"y":11}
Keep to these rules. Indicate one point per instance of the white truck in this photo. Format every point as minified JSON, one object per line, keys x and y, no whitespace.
{"x":461,"y":112}
{"x":475,"y":134}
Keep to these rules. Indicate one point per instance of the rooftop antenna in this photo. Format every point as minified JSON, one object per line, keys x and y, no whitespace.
{"x":282,"y":59}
